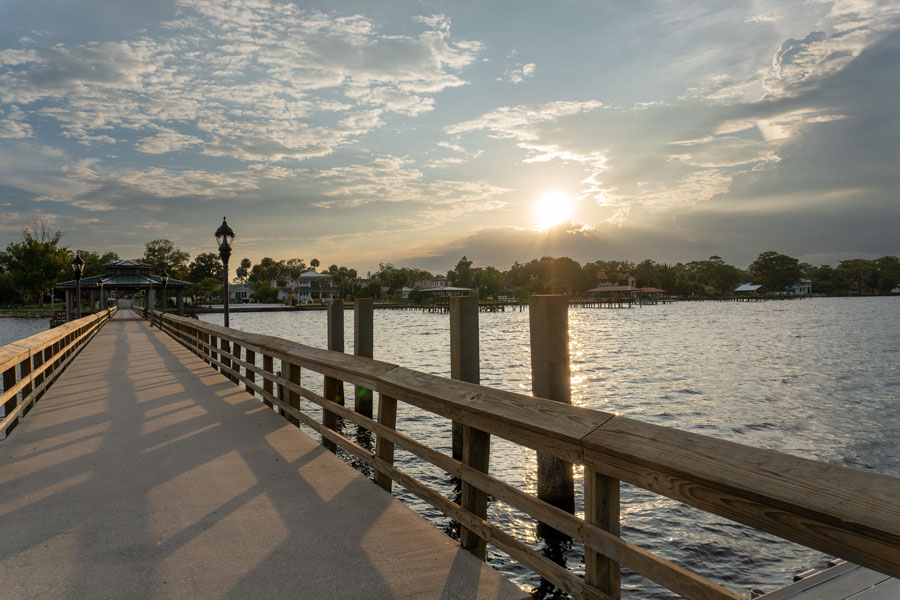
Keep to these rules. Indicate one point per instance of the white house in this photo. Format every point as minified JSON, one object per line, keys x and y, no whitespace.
{"x":438,"y":281}
{"x":240,"y":294}
{"x":311,"y":286}
{"x":802,"y":287}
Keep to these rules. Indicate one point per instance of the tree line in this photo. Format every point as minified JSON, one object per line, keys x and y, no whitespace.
{"x":31,"y":266}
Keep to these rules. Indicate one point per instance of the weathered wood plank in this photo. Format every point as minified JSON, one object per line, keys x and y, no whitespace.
{"x":533,"y":422}
{"x":841,"y":511}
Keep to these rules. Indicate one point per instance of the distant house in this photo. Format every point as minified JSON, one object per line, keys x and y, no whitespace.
{"x":240,"y":294}
{"x":615,"y":280}
{"x":801,"y":288}
{"x":438,"y":281}
{"x":747,"y":288}
{"x":448,"y":291}
{"x":311,"y":286}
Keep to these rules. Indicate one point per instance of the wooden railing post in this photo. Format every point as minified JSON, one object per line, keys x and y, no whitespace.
{"x":293,"y":398}
{"x":268,"y":367}
{"x":470,"y":445}
{"x":236,"y":353}
{"x":549,"y":324}
{"x":601,"y":508}
{"x":24,"y":372}
{"x":251,"y":375}
{"x":9,"y":380}
{"x":384,"y":449}
{"x":334,"y":388}
{"x":223,"y":357}
{"x":213,"y":350}
{"x":363,"y":345}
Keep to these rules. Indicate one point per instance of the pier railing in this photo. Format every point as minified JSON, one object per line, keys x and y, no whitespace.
{"x":847,"y":513}
{"x":30,"y":365}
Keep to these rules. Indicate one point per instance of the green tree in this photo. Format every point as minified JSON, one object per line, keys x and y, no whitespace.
{"x":243,"y":270}
{"x":93,"y":262}
{"x":163,"y":255}
{"x":887,"y":273}
{"x":489,"y":281}
{"x":263,"y":292}
{"x":461,"y":275}
{"x":206,"y":264}
{"x":775,"y":271}
{"x":858,"y":275}
{"x":314,"y":263}
{"x":37,"y":262}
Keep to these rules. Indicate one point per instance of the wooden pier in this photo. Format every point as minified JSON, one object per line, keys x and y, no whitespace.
{"x":152,"y":468}
{"x":142,"y":473}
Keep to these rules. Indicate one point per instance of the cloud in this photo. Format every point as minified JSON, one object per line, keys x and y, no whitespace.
{"x":239,"y":79}
{"x":519,"y":73}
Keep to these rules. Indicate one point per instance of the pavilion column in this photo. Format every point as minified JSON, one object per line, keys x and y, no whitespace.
{"x":151,"y":300}
{"x":103,"y":301}
{"x":68,"y":305}
{"x":179,"y":298}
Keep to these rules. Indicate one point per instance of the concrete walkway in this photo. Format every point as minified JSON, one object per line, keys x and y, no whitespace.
{"x":142,"y":473}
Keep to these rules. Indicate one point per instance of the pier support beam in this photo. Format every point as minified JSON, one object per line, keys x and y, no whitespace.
{"x":470,"y":445}
{"x":549,"y":323}
{"x":363,"y":345}
{"x":334,"y":388}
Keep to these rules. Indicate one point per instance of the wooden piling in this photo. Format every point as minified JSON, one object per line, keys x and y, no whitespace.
{"x":363,"y":345}
{"x":334,"y":388}
{"x":470,"y":445}
{"x":549,"y":324}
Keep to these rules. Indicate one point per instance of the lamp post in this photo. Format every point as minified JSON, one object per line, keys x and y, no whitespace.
{"x":165,"y":281}
{"x":78,"y":267}
{"x":102,"y":302}
{"x":225,"y":238}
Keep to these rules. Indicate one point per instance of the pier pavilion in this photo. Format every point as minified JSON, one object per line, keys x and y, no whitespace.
{"x":124,"y":275}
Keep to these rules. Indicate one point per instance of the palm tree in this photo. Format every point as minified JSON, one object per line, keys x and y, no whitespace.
{"x":314,"y":263}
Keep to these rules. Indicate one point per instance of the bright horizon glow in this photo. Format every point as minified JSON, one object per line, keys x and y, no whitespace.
{"x":552,"y":209}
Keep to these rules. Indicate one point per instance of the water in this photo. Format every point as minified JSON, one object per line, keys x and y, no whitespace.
{"x":816,"y":378}
{"x":13,"y":330}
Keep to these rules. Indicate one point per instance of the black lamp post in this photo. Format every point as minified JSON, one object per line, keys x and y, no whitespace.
{"x":225,"y":238}
{"x":165,"y":281}
{"x":78,"y":267}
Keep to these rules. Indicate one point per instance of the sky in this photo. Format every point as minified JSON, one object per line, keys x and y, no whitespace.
{"x":416,"y":132}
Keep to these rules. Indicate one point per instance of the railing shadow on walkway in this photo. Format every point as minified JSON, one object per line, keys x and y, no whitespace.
{"x":127,"y":428}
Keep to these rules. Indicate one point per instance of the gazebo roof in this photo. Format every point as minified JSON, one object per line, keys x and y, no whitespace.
{"x":123,"y":281}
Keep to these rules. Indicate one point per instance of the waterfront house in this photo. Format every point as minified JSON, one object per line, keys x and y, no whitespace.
{"x":801,"y":288}
{"x":438,"y":281}
{"x":311,"y":286}
{"x":447,"y":291}
{"x":748,"y":289}
{"x":240,"y":294}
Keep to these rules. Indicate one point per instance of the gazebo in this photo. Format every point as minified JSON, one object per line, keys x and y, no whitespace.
{"x":124,"y":275}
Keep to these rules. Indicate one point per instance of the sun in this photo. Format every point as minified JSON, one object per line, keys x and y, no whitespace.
{"x":552,"y":209}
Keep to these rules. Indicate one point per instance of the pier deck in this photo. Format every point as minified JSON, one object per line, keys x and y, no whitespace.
{"x":142,"y":473}
{"x":842,"y":582}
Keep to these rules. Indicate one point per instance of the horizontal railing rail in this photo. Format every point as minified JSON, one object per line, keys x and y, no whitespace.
{"x":840,"y":511}
{"x":30,"y":365}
